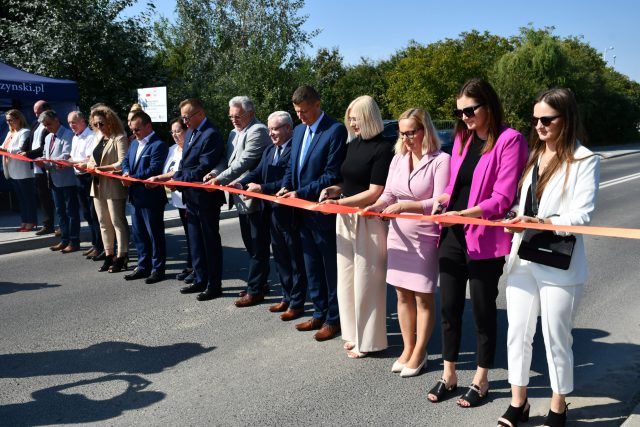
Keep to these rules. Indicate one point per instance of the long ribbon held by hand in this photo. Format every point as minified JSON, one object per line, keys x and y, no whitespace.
{"x":627,"y":233}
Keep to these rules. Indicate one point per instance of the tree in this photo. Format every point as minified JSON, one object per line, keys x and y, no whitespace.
{"x":106,"y":54}
{"x":218,"y":49}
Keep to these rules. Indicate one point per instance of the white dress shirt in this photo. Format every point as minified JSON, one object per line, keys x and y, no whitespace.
{"x":81,"y":147}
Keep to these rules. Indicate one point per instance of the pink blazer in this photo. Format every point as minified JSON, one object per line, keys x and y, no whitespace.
{"x":493,"y":189}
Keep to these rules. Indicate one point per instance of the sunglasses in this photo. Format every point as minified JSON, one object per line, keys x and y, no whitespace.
{"x":545,"y":120}
{"x":467,"y":111}
{"x":410,"y":134}
{"x":98,"y":124}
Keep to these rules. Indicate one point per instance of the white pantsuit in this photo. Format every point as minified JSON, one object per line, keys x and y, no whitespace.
{"x":361,"y":243}
{"x":535,"y":289}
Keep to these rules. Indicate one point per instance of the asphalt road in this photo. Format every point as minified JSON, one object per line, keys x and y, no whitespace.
{"x":78,"y":347}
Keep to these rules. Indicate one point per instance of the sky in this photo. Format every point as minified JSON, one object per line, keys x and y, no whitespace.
{"x":375,"y":29}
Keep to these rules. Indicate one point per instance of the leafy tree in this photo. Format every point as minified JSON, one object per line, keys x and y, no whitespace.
{"x":218,"y":49}
{"x":83,"y":40}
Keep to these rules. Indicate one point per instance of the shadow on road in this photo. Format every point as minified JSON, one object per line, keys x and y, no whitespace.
{"x":121,"y":360}
{"x":53,"y":406}
{"x":11,"y":287}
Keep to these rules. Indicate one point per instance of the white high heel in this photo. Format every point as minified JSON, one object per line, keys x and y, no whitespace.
{"x":397,"y":367}
{"x":409,"y":372}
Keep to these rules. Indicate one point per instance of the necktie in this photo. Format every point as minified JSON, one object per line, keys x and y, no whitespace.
{"x":193,"y":135}
{"x":276,"y":156}
{"x":52,"y":144}
{"x":305,"y":145}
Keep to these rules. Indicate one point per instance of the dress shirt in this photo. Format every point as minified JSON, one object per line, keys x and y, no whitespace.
{"x":278,"y":152}
{"x":305,"y":144}
{"x":81,"y":147}
{"x":141,"y":144}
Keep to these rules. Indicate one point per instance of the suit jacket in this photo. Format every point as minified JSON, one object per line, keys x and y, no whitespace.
{"x":572,"y":205}
{"x":150,"y":163}
{"x":18,"y":169}
{"x":493,"y":189}
{"x":60,"y":149}
{"x":248,"y":147}
{"x":114,"y":151}
{"x":321,"y":167}
{"x":270,"y":178}
{"x":198,"y":158}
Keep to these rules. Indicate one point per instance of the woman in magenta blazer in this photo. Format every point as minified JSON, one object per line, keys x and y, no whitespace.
{"x":486,"y":164}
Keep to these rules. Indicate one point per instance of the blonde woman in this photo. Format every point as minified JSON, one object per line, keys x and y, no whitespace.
{"x":362,"y":241}
{"x":109,"y":194}
{"x":21,"y":173}
{"x":418,"y":174}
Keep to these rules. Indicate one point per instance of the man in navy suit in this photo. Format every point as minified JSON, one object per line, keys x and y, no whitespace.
{"x":317,"y":152}
{"x":285,"y":239}
{"x":203,"y":149}
{"x":144,"y":159}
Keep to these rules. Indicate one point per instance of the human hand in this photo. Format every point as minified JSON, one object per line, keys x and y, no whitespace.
{"x":289,"y":195}
{"x":254,"y":188}
{"x":282,"y":192}
{"x":332,"y":192}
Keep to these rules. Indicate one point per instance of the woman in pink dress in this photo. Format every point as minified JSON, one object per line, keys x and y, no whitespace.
{"x":419,"y":172}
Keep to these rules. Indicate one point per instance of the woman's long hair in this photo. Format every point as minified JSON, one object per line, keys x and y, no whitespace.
{"x":112,"y":123}
{"x":571,"y":132}
{"x":483,"y":93}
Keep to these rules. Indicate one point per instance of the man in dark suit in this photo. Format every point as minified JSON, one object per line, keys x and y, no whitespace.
{"x":144,"y":159}
{"x":247,"y":142}
{"x":285,"y":239}
{"x":318,"y":150}
{"x":203,"y":150}
{"x":33,"y":148}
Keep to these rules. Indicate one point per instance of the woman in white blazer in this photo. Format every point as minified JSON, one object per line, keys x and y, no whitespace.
{"x":20,"y":172}
{"x":566,"y":190}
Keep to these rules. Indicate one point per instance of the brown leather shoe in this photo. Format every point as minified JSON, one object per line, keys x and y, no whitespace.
{"x":69,"y":249}
{"x":279,"y":307}
{"x":309,"y":325}
{"x":291,"y":314}
{"x":327,"y":332}
{"x":265,"y":290}
{"x":58,"y":247}
{"x":249,"y":300}
{"x":87,"y":252}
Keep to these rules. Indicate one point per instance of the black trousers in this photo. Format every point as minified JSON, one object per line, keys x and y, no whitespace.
{"x":46,"y":199}
{"x":254,"y":229}
{"x":183,"y":218}
{"x":456,"y":268}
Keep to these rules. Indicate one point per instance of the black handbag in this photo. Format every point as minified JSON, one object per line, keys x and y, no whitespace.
{"x":542,"y":246}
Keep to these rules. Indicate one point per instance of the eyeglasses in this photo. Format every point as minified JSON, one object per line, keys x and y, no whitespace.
{"x":187,"y":118}
{"x":98,"y":124}
{"x":545,"y":120}
{"x":467,"y":111}
{"x":276,"y":128}
{"x":176,"y":132}
{"x":410,"y":134}
{"x":237,"y":116}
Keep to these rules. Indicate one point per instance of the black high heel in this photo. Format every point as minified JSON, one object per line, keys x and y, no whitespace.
{"x":555,"y":419}
{"x":515,"y":414}
{"x":108,"y":261}
{"x":119,"y":264}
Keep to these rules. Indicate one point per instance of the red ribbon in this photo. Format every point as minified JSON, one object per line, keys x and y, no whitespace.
{"x":627,"y":233}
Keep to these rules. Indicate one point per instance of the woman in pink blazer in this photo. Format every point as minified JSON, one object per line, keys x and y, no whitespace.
{"x":417,"y":175}
{"x":487,"y":162}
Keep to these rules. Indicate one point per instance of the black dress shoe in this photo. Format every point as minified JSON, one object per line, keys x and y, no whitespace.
{"x":137,"y":274}
{"x":100,"y":257}
{"x":190,"y":278}
{"x":183,"y":274}
{"x":154,"y":277}
{"x":208,"y":295}
{"x":192,"y":289}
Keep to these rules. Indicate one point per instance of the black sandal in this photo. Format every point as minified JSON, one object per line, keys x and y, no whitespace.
{"x":440,"y":390}
{"x":515,"y":414}
{"x":555,"y":419}
{"x":473,"y":396}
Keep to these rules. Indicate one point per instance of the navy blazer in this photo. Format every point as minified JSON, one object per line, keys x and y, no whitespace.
{"x":198,"y":158}
{"x":321,"y":167}
{"x":150,"y":163}
{"x":267,"y":175}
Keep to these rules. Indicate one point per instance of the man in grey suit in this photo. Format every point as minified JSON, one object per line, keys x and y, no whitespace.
{"x":57,"y":146}
{"x":247,"y":142}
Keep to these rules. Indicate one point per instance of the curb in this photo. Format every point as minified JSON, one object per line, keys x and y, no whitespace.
{"x":38,"y":242}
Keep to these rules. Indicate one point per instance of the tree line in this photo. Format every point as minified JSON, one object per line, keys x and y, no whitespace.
{"x":217,"y":49}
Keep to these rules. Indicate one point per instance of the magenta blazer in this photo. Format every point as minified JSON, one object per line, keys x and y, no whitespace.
{"x":493,"y":189}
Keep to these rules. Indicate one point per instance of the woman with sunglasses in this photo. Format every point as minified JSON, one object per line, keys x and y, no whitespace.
{"x":418,"y":174}
{"x":565,"y":193}
{"x":487,"y":161}
{"x":109,"y":194}
{"x":19,"y":172}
